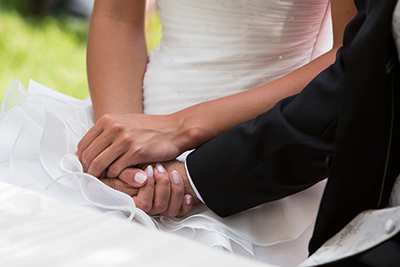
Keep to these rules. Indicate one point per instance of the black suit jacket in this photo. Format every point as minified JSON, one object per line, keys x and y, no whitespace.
{"x":345,"y":113}
{"x":367,"y":144}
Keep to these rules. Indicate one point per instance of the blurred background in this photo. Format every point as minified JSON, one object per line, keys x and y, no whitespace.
{"x":46,"y":40}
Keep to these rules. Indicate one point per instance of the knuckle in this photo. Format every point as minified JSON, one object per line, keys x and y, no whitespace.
{"x":126,"y":139}
{"x":111,"y":174}
{"x":96,"y":166}
{"x":161,"y":206}
{"x":177,"y":188}
{"x":146,"y":206}
{"x":80,"y":146}
{"x":113,"y":171}
{"x":150,"y":183}
{"x":162,"y":179}
{"x":139,"y":152}
{"x":116,"y":127}
{"x":105,"y":118}
{"x":85,"y":157}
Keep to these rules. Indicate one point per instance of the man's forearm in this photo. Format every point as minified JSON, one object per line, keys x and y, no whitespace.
{"x":281,"y":152}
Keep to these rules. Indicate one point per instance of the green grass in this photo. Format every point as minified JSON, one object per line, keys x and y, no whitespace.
{"x":50,"y":50}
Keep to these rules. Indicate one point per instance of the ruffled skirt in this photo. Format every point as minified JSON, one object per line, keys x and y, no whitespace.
{"x":39,"y":132}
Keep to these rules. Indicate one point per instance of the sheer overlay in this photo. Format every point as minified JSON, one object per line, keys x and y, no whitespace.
{"x":209,"y":49}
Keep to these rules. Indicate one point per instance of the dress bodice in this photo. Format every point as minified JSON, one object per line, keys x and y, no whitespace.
{"x":211,"y":49}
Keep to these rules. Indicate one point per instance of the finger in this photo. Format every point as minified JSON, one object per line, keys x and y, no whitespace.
{"x":177,"y":192}
{"x":162,"y":190}
{"x":91,"y":135}
{"x":186,"y":206}
{"x":123,"y":161}
{"x":121,"y":186}
{"x":105,"y":159}
{"x":88,"y":138}
{"x":98,"y":145}
{"x":127,"y":155}
{"x":136,"y":177}
{"x":106,"y":142}
{"x":103,"y":175}
{"x":144,"y":199}
{"x":117,"y":155}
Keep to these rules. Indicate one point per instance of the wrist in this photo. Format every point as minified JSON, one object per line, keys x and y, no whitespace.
{"x":190,"y":131}
{"x":183,"y":133}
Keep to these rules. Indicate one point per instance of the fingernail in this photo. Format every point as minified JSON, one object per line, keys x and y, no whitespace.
{"x":175,"y":177}
{"x":149,"y":170}
{"x":160,"y":167}
{"x":140,"y":177}
{"x":188,"y":199}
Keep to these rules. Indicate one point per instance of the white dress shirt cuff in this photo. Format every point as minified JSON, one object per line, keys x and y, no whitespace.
{"x":192,"y":184}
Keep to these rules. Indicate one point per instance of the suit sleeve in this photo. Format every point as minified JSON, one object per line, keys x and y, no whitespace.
{"x":281,"y":152}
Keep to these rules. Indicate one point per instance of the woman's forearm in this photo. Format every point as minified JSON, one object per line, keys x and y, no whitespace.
{"x":116,"y":58}
{"x":202,"y":122}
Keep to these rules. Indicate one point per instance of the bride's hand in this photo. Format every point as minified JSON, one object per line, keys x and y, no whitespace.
{"x":116,"y":142}
{"x":164,"y":193}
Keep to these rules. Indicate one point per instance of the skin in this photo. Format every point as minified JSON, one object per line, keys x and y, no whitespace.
{"x":165,"y":193}
{"x":123,"y":138}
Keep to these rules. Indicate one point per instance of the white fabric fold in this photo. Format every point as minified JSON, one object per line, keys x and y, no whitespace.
{"x":38,"y":139}
{"x":208,"y":50}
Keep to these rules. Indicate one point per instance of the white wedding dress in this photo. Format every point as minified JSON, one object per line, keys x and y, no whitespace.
{"x":209,"y":49}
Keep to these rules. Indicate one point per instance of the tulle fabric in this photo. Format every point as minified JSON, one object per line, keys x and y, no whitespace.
{"x":261,"y":41}
{"x":39,"y":131}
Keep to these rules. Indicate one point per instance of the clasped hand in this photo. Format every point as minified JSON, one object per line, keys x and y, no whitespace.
{"x":162,"y":192}
{"x":119,"y":141}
